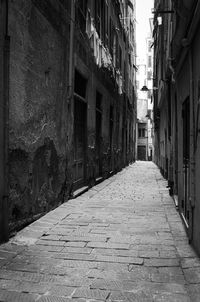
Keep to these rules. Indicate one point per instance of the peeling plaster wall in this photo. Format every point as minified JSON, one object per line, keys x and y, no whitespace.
{"x":40,"y":133}
{"x":41,"y":142}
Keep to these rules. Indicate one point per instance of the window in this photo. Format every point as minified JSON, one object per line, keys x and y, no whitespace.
{"x":83,"y":6}
{"x":81,"y":9}
{"x":149,"y":75}
{"x":120,"y":58}
{"x":149,"y":61}
{"x":103,"y":20}
{"x":117,"y":51}
{"x":106,"y":23}
{"x":98,"y":101}
{"x":149,"y":45}
{"x":80,"y":85}
{"x":141,"y":132}
{"x":129,"y":59}
{"x":98,"y":15}
{"x":111,"y":37}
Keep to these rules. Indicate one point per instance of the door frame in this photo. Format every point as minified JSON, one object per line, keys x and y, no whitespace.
{"x":80,"y":182}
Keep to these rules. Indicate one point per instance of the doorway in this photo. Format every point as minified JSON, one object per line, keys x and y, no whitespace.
{"x":80,"y":110}
{"x":80,"y":131}
{"x":141,"y":153}
{"x":186,"y":157}
{"x":98,"y":168}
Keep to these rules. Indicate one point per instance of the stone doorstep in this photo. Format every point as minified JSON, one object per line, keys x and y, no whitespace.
{"x":99,"y":180}
{"x":79,"y":192}
{"x":175,"y":198}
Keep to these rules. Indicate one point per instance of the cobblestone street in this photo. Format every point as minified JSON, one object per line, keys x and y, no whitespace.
{"x":123,"y":240}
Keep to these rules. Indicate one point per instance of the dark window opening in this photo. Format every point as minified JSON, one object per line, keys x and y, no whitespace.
{"x":80,"y":85}
{"x":111,"y":126}
{"x":98,"y":16}
{"x":141,"y":132}
{"x":98,"y":101}
{"x":81,"y":10}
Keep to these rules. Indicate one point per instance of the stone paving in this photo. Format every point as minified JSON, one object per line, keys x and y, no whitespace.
{"x":123,"y":240}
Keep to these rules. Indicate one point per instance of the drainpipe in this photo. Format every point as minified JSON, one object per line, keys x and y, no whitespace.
{"x":5,"y":100}
{"x":71,"y":50}
{"x":192,"y":149}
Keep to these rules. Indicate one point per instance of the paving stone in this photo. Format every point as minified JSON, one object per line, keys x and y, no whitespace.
{"x":32,"y":287}
{"x":9,"y":284}
{"x":161,"y":262}
{"x":50,"y":242}
{"x":54,"y":299}
{"x":27,"y":276}
{"x":61,"y":291}
{"x":84,"y":238}
{"x":136,"y":273}
{"x":41,"y":249}
{"x":108,"y":245}
{"x":80,"y":264}
{"x":192,"y":275}
{"x":25,"y":267}
{"x":75,"y":243}
{"x":3,"y":262}
{"x":104,"y":284}
{"x":149,"y":254}
{"x":116,"y":252}
{"x":115,"y":259}
{"x":156,"y":247}
{"x":194,"y":292}
{"x":77,"y":250}
{"x":12,"y":296}
{"x":91,"y":294}
{"x":73,"y":256}
{"x":7,"y":254}
{"x":54,"y":237}
{"x":185,"y":251}
{"x":169,"y":274}
{"x":170,"y":297}
{"x":190,"y":262}
{"x":168,"y":254}
{"x":124,"y":296}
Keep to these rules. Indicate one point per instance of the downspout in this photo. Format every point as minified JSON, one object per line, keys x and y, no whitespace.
{"x":6,"y":57}
{"x":70,"y":88}
{"x":71,"y":51}
{"x":192,"y":149}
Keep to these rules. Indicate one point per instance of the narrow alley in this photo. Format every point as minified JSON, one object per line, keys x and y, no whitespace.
{"x":123,"y":240}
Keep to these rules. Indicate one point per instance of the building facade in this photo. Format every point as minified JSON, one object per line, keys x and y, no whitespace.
{"x":142,"y":109}
{"x":176,"y":105}
{"x":145,"y":147}
{"x":70,"y":105}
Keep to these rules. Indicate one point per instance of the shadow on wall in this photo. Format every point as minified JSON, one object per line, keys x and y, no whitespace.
{"x":36,"y":186}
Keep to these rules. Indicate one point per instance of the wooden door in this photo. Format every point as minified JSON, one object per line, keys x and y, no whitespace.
{"x":80,"y":115}
{"x":186,"y":157}
{"x":98,"y":142}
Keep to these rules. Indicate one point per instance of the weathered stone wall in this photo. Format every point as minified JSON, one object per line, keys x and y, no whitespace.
{"x":40,"y":117}
{"x":41,"y":111}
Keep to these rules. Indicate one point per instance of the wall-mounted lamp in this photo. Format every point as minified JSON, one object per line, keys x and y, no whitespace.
{"x":160,"y":12}
{"x":144,"y":88}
